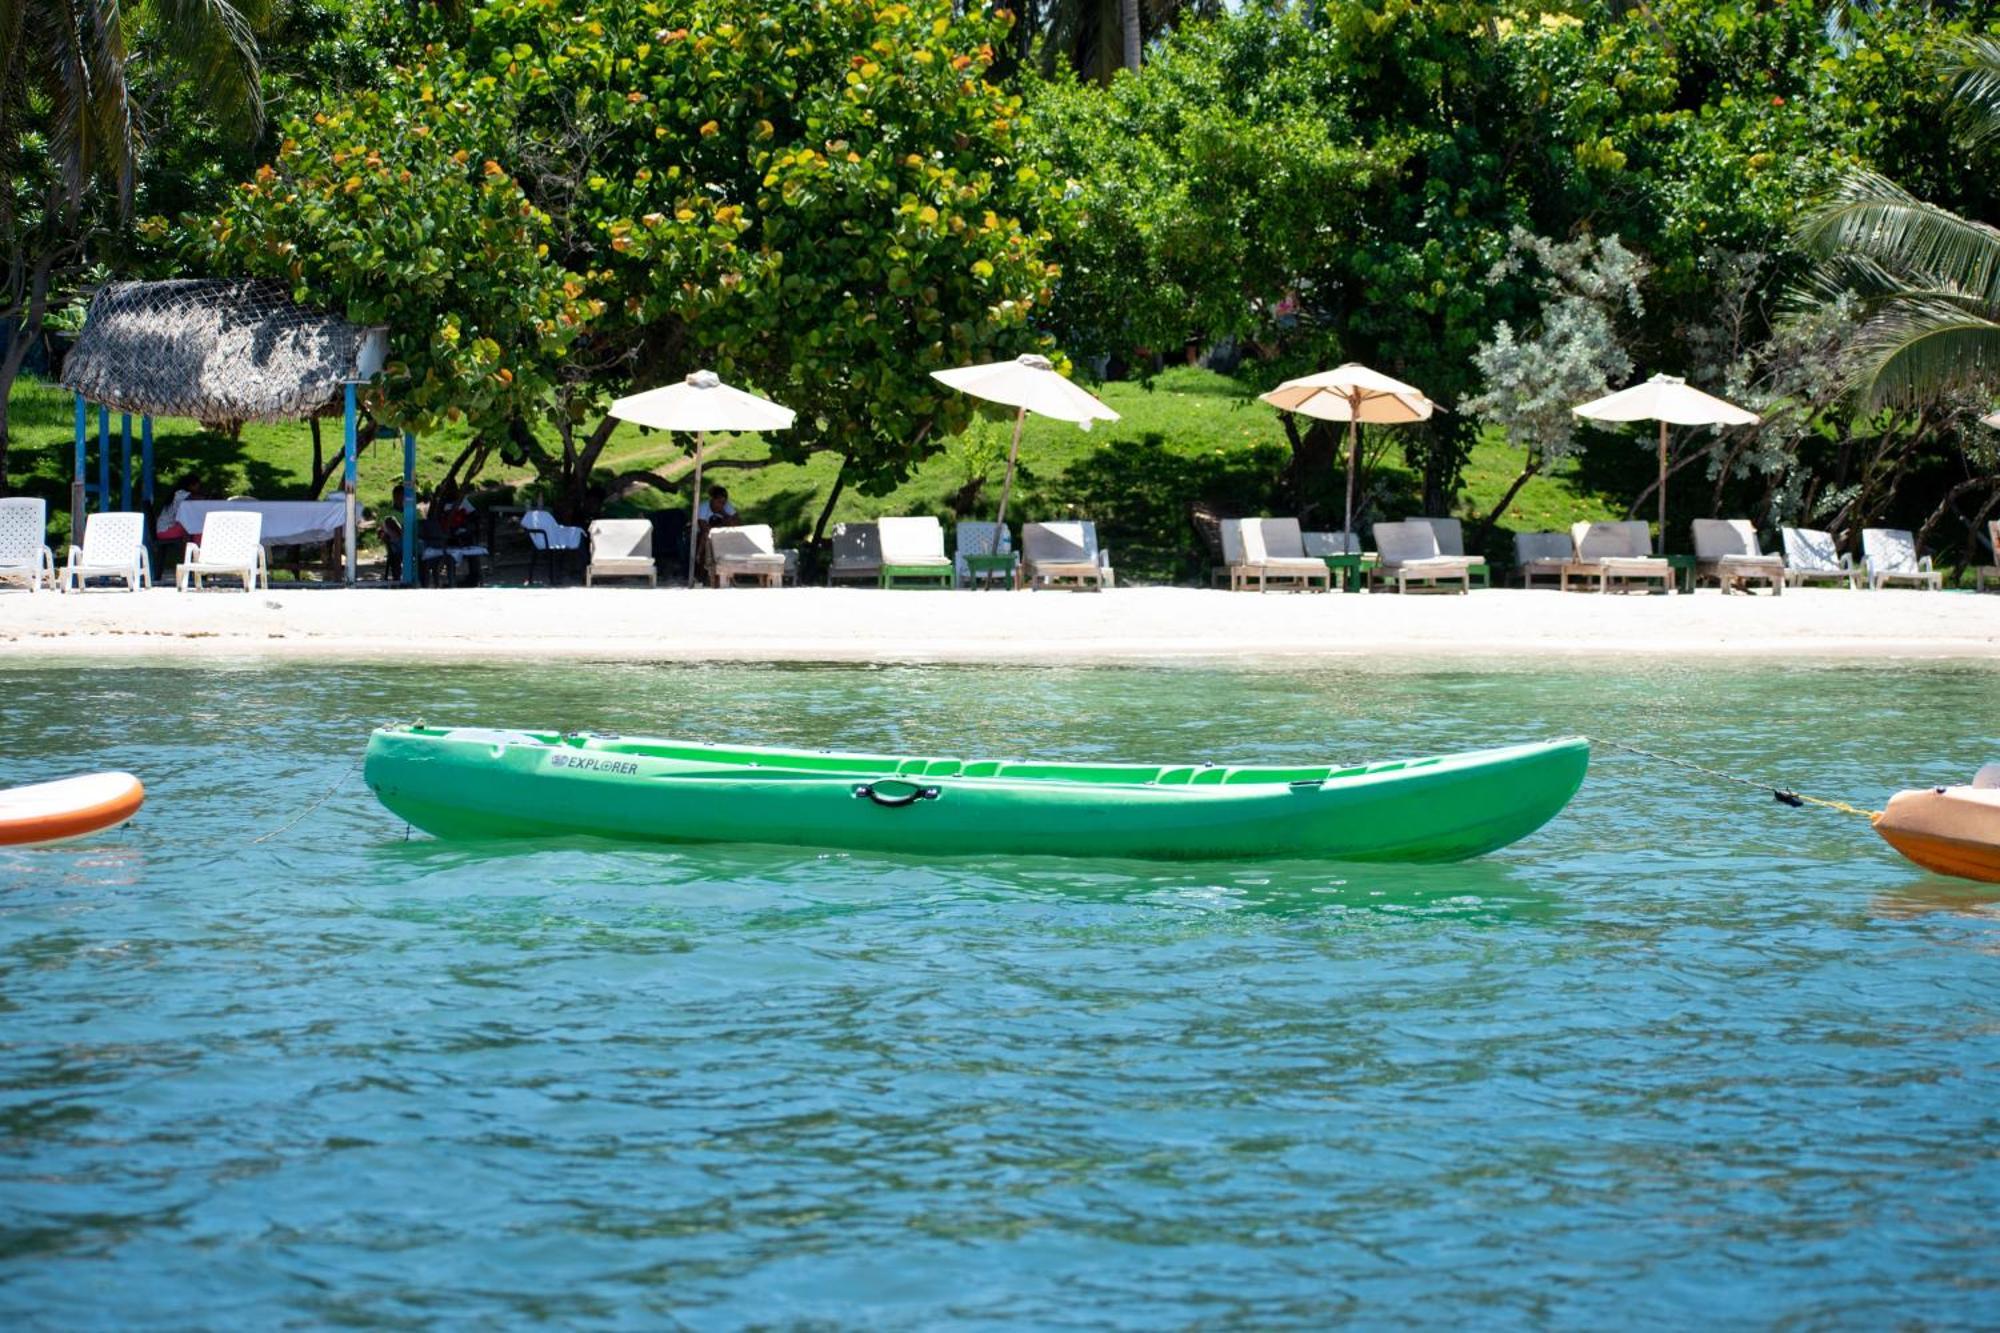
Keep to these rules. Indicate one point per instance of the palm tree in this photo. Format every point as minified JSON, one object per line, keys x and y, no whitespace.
{"x":70,"y":124}
{"x":1929,"y":278}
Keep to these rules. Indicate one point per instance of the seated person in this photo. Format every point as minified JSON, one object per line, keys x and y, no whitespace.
{"x":168,"y":526}
{"x":715,"y":512}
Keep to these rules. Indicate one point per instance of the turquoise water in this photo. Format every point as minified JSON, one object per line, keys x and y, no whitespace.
{"x":1685,"y":1054}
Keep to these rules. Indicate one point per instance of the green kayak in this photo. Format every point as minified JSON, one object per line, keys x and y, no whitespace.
{"x":478,"y":783}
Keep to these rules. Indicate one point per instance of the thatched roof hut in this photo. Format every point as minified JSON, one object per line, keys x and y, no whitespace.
{"x":217,"y":351}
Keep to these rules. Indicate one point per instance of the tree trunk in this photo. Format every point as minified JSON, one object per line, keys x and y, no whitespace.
{"x":319,"y":456}
{"x":1315,"y":452}
{"x":1128,"y":15}
{"x":1529,"y":472}
{"x":832,"y":497}
{"x":27,"y":328}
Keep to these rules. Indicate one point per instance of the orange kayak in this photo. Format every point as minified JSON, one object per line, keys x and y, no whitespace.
{"x":1952,"y":830}
{"x":70,"y":808}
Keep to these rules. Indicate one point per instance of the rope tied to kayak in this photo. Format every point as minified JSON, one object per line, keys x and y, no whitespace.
{"x":325,"y":796}
{"x":1782,"y":795}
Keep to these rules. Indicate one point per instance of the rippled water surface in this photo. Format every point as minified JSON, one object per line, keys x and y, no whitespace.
{"x":1685,"y":1054}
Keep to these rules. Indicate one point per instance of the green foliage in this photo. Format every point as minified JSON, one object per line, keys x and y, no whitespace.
{"x":1576,"y":351}
{"x":823,"y":201}
{"x":385,"y":207}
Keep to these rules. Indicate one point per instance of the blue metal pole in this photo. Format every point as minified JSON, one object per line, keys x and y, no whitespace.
{"x":146,"y":479}
{"x":125,"y":460}
{"x":103,"y":456}
{"x":349,"y":476}
{"x":409,"y":510}
{"x":146,"y":461}
{"x":77,"y":504}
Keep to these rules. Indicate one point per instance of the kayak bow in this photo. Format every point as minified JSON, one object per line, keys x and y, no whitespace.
{"x":480,"y":783}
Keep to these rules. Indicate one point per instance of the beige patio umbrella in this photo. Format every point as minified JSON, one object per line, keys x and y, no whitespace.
{"x":1668,"y":400}
{"x":1993,"y":421}
{"x":1028,"y":383}
{"x":701,"y":403}
{"x":1354,"y":394}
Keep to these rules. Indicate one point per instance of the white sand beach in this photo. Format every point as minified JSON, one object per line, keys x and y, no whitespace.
{"x":847,"y":624}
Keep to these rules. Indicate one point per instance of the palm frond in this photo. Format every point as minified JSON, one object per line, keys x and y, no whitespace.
{"x":90,"y":123}
{"x":1915,"y":348}
{"x":1872,"y":216}
{"x":215,"y":43}
{"x":1974,"y":67}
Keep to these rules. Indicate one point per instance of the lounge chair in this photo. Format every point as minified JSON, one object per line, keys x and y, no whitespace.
{"x":1409,"y":554}
{"x":621,"y":548}
{"x":747,"y":551}
{"x":857,"y":554}
{"x":1262,"y":552}
{"x":1810,"y":557}
{"x":1891,"y":557}
{"x":976,"y":538}
{"x":1992,"y":571}
{"x":1542,"y":555}
{"x":1619,"y":552}
{"x":231,"y":545}
{"x":114,"y":547}
{"x":1064,"y":555}
{"x":1451,"y":541}
{"x":1725,"y":549}
{"x":913,"y":553}
{"x":25,"y":556}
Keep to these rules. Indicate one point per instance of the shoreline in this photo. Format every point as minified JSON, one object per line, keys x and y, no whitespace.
{"x":1124,"y":626}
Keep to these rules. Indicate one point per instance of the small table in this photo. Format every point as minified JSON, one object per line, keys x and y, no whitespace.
{"x":941,"y":575}
{"x":992,"y":571}
{"x":1683,"y":567}
{"x":1349,"y":569}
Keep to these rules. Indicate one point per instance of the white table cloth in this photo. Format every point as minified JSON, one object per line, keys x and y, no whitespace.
{"x":286,"y":522}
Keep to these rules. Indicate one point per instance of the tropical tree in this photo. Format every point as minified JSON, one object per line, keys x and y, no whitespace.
{"x":72,"y":129}
{"x":1929,"y":278}
{"x":820,"y":201}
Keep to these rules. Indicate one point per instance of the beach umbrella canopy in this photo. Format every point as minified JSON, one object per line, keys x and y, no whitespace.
{"x":1028,"y":383}
{"x":1993,"y":421}
{"x":1354,"y":394}
{"x":701,"y":403}
{"x":1669,"y":400}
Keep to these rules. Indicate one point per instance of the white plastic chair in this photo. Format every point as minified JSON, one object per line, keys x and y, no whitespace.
{"x":231,"y":545}
{"x":621,"y":548}
{"x":1891,"y":557}
{"x":114,"y":547}
{"x":977,"y":537}
{"x":24,"y":553}
{"x":1810,"y":557}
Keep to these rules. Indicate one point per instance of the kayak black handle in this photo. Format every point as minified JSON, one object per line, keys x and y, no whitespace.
{"x":873,"y":791}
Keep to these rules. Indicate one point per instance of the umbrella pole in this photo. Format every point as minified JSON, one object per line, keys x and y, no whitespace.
{"x":1007,"y":486}
{"x":1353,"y":466}
{"x":694,"y":511}
{"x":1663,"y":488}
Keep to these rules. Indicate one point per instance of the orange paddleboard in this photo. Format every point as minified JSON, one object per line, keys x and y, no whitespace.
{"x":1952,"y":830}
{"x":70,"y":808}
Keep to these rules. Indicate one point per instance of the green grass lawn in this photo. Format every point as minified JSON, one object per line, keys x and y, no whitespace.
{"x":1188,"y":435}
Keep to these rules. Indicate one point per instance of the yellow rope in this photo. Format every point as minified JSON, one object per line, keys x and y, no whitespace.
{"x":1783,"y":795}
